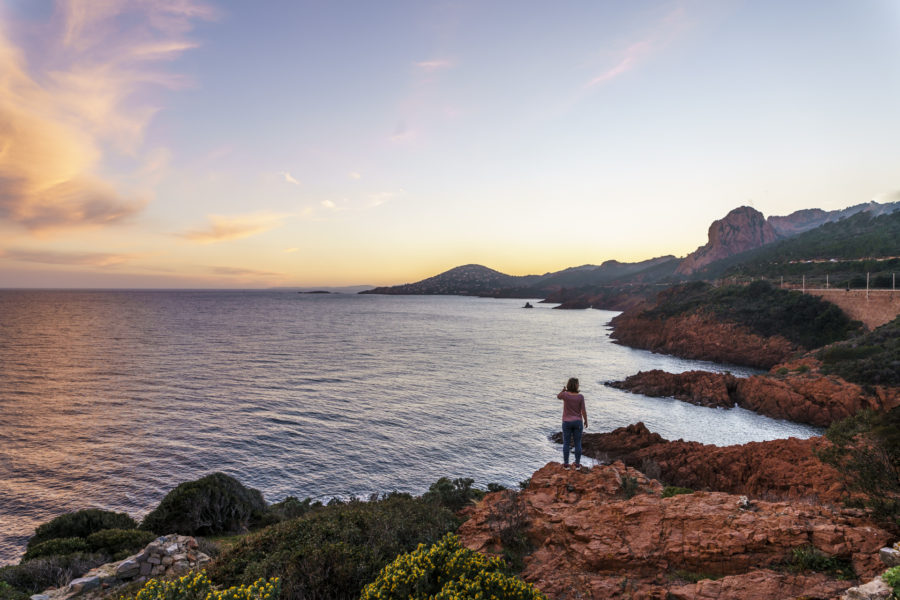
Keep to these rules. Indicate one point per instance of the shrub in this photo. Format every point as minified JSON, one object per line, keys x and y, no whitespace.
{"x":892,"y":578}
{"x":454,"y":495}
{"x":334,"y":551}
{"x":674,"y":490}
{"x":38,"y":574}
{"x":447,"y":571}
{"x":119,"y":543}
{"x":291,"y":508}
{"x":629,"y":487}
{"x":56,"y":546}
{"x":212,"y":505}
{"x":81,"y":524}
{"x":872,"y":358}
{"x":508,"y":521}
{"x":810,"y":558}
{"x":8,"y":592}
{"x":197,"y":586}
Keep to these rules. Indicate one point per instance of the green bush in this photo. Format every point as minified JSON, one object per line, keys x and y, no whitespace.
{"x":334,"y":551}
{"x":197,"y":586}
{"x":872,"y":358}
{"x":81,"y":524}
{"x":8,"y":592}
{"x":630,"y":487}
{"x":674,"y":490}
{"x":212,"y":505}
{"x":119,"y":543}
{"x":57,"y":546}
{"x":454,"y":495}
{"x":892,"y":578}
{"x":810,"y":558}
{"x":447,"y":571}
{"x":38,"y":574}
{"x":291,"y":508}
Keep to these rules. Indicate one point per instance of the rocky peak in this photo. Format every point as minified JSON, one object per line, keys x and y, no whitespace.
{"x":742,"y":229}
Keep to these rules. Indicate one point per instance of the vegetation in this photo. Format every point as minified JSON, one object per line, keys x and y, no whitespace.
{"x":197,"y":586}
{"x":8,"y":592}
{"x":892,"y":578}
{"x":334,"y":551}
{"x":38,"y":574}
{"x":869,"y":359}
{"x":212,"y":505}
{"x":866,"y":450}
{"x":508,"y":521}
{"x":447,"y":571}
{"x":810,"y":558}
{"x":630,"y":487}
{"x":453,"y":495}
{"x":81,"y":524}
{"x":803,"y":319}
{"x":674,"y":490}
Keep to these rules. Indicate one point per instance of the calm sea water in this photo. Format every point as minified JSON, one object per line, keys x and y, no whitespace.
{"x":109,"y":399}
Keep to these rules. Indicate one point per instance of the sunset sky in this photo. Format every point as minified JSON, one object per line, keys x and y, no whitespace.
{"x":178,"y":143}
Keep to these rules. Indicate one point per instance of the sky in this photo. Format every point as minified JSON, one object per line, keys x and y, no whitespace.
{"x":235,"y":144}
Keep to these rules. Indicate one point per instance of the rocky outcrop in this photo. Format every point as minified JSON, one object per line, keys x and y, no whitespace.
{"x":701,"y":337}
{"x":170,"y":555}
{"x":803,"y":220}
{"x":591,"y":540}
{"x":742,"y":229}
{"x":777,"y":469}
{"x":796,"y":391}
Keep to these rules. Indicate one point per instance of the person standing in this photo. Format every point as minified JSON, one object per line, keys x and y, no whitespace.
{"x":574,"y":421}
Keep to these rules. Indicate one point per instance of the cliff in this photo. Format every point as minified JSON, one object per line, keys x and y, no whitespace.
{"x":742,"y":229}
{"x":609,"y":533}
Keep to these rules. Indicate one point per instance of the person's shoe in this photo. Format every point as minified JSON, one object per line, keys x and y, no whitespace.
{"x":566,"y":466}
{"x":577,"y":467}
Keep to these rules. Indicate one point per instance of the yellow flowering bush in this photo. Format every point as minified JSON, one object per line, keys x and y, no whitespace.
{"x":447,"y":571}
{"x":197,"y":586}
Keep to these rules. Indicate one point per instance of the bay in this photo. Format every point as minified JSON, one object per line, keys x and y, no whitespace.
{"x":108,"y":399}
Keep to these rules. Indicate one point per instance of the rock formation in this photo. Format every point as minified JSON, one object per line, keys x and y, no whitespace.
{"x":701,"y":337}
{"x":591,"y":540}
{"x":777,"y":469}
{"x":742,"y":229}
{"x":796,"y":391}
{"x":170,"y":555}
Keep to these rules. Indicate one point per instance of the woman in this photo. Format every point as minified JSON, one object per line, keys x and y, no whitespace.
{"x":572,"y":426}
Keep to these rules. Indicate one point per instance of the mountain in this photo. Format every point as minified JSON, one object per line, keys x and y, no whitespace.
{"x":810,"y":218}
{"x":467,"y":280}
{"x":742,"y":229}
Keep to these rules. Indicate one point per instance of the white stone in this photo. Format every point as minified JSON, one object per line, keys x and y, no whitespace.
{"x":172,"y":549}
{"x":40,"y":597}
{"x":876,"y":589}
{"x":128,"y":568}
{"x":890,"y":556}
{"x":83,"y":584}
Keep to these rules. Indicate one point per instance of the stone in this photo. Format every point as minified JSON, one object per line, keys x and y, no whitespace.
{"x":40,"y":597}
{"x":154,"y":560}
{"x":128,"y":568}
{"x":167,"y":560}
{"x":890,"y":556}
{"x":172,"y":549}
{"x":594,"y":543}
{"x":83,"y":584}
{"x":876,"y":589}
{"x":146,"y":568}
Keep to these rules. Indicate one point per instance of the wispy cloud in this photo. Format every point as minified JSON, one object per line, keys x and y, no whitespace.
{"x":77,"y":101}
{"x":241,"y":272}
{"x":328,"y":204}
{"x":49,"y":257}
{"x":354,"y":175}
{"x":652,"y":42}
{"x":290,"y":178}
{"x":430,"y":66}
{"x":224,"y":228}
{"x":291,"y":250}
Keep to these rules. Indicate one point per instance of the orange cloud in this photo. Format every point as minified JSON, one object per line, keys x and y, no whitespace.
{"x":222,"y":228}
{"x":59,"y":120}
{"x":92,"y":259}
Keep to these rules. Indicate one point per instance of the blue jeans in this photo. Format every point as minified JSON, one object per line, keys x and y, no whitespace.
{"x":572,"y":433}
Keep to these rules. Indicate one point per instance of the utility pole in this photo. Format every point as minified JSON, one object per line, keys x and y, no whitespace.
{"x":867,"y":286}
{"x":804,"y":284}
{"x":826,"y":281}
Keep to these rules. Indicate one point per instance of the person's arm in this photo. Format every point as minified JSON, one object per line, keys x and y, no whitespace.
{"x":561,"y":395}
{"x":584,"y":413}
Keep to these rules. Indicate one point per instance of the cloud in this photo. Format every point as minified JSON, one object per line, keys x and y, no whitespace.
{"x":355,"y":175}
{"x":240,"y":272}
{"x":663,"y":32}
{"x":290,"y":178}
{"x":430,"y":66}
{"x":329,"y":204}
{"x":291,"y":250}
{"x":68,"y":104}
{"x":49,"y":257}
{"x":224,"y":228}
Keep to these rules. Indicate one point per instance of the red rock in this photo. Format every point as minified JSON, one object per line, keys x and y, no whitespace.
{"x":742,"y":229}
{"x":590,"y":541}
{"x":700,"y":337}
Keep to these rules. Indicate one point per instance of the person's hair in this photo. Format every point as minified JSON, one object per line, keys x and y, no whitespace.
{"x":572,"y":385}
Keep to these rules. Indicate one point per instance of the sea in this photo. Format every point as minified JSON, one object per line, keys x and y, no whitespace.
{"x":109,"y":399}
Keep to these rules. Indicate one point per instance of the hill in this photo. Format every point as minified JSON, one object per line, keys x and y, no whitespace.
{"x":467,"y":280}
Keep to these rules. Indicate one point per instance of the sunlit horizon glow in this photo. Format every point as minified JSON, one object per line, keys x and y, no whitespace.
{"x":217,"y":144}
